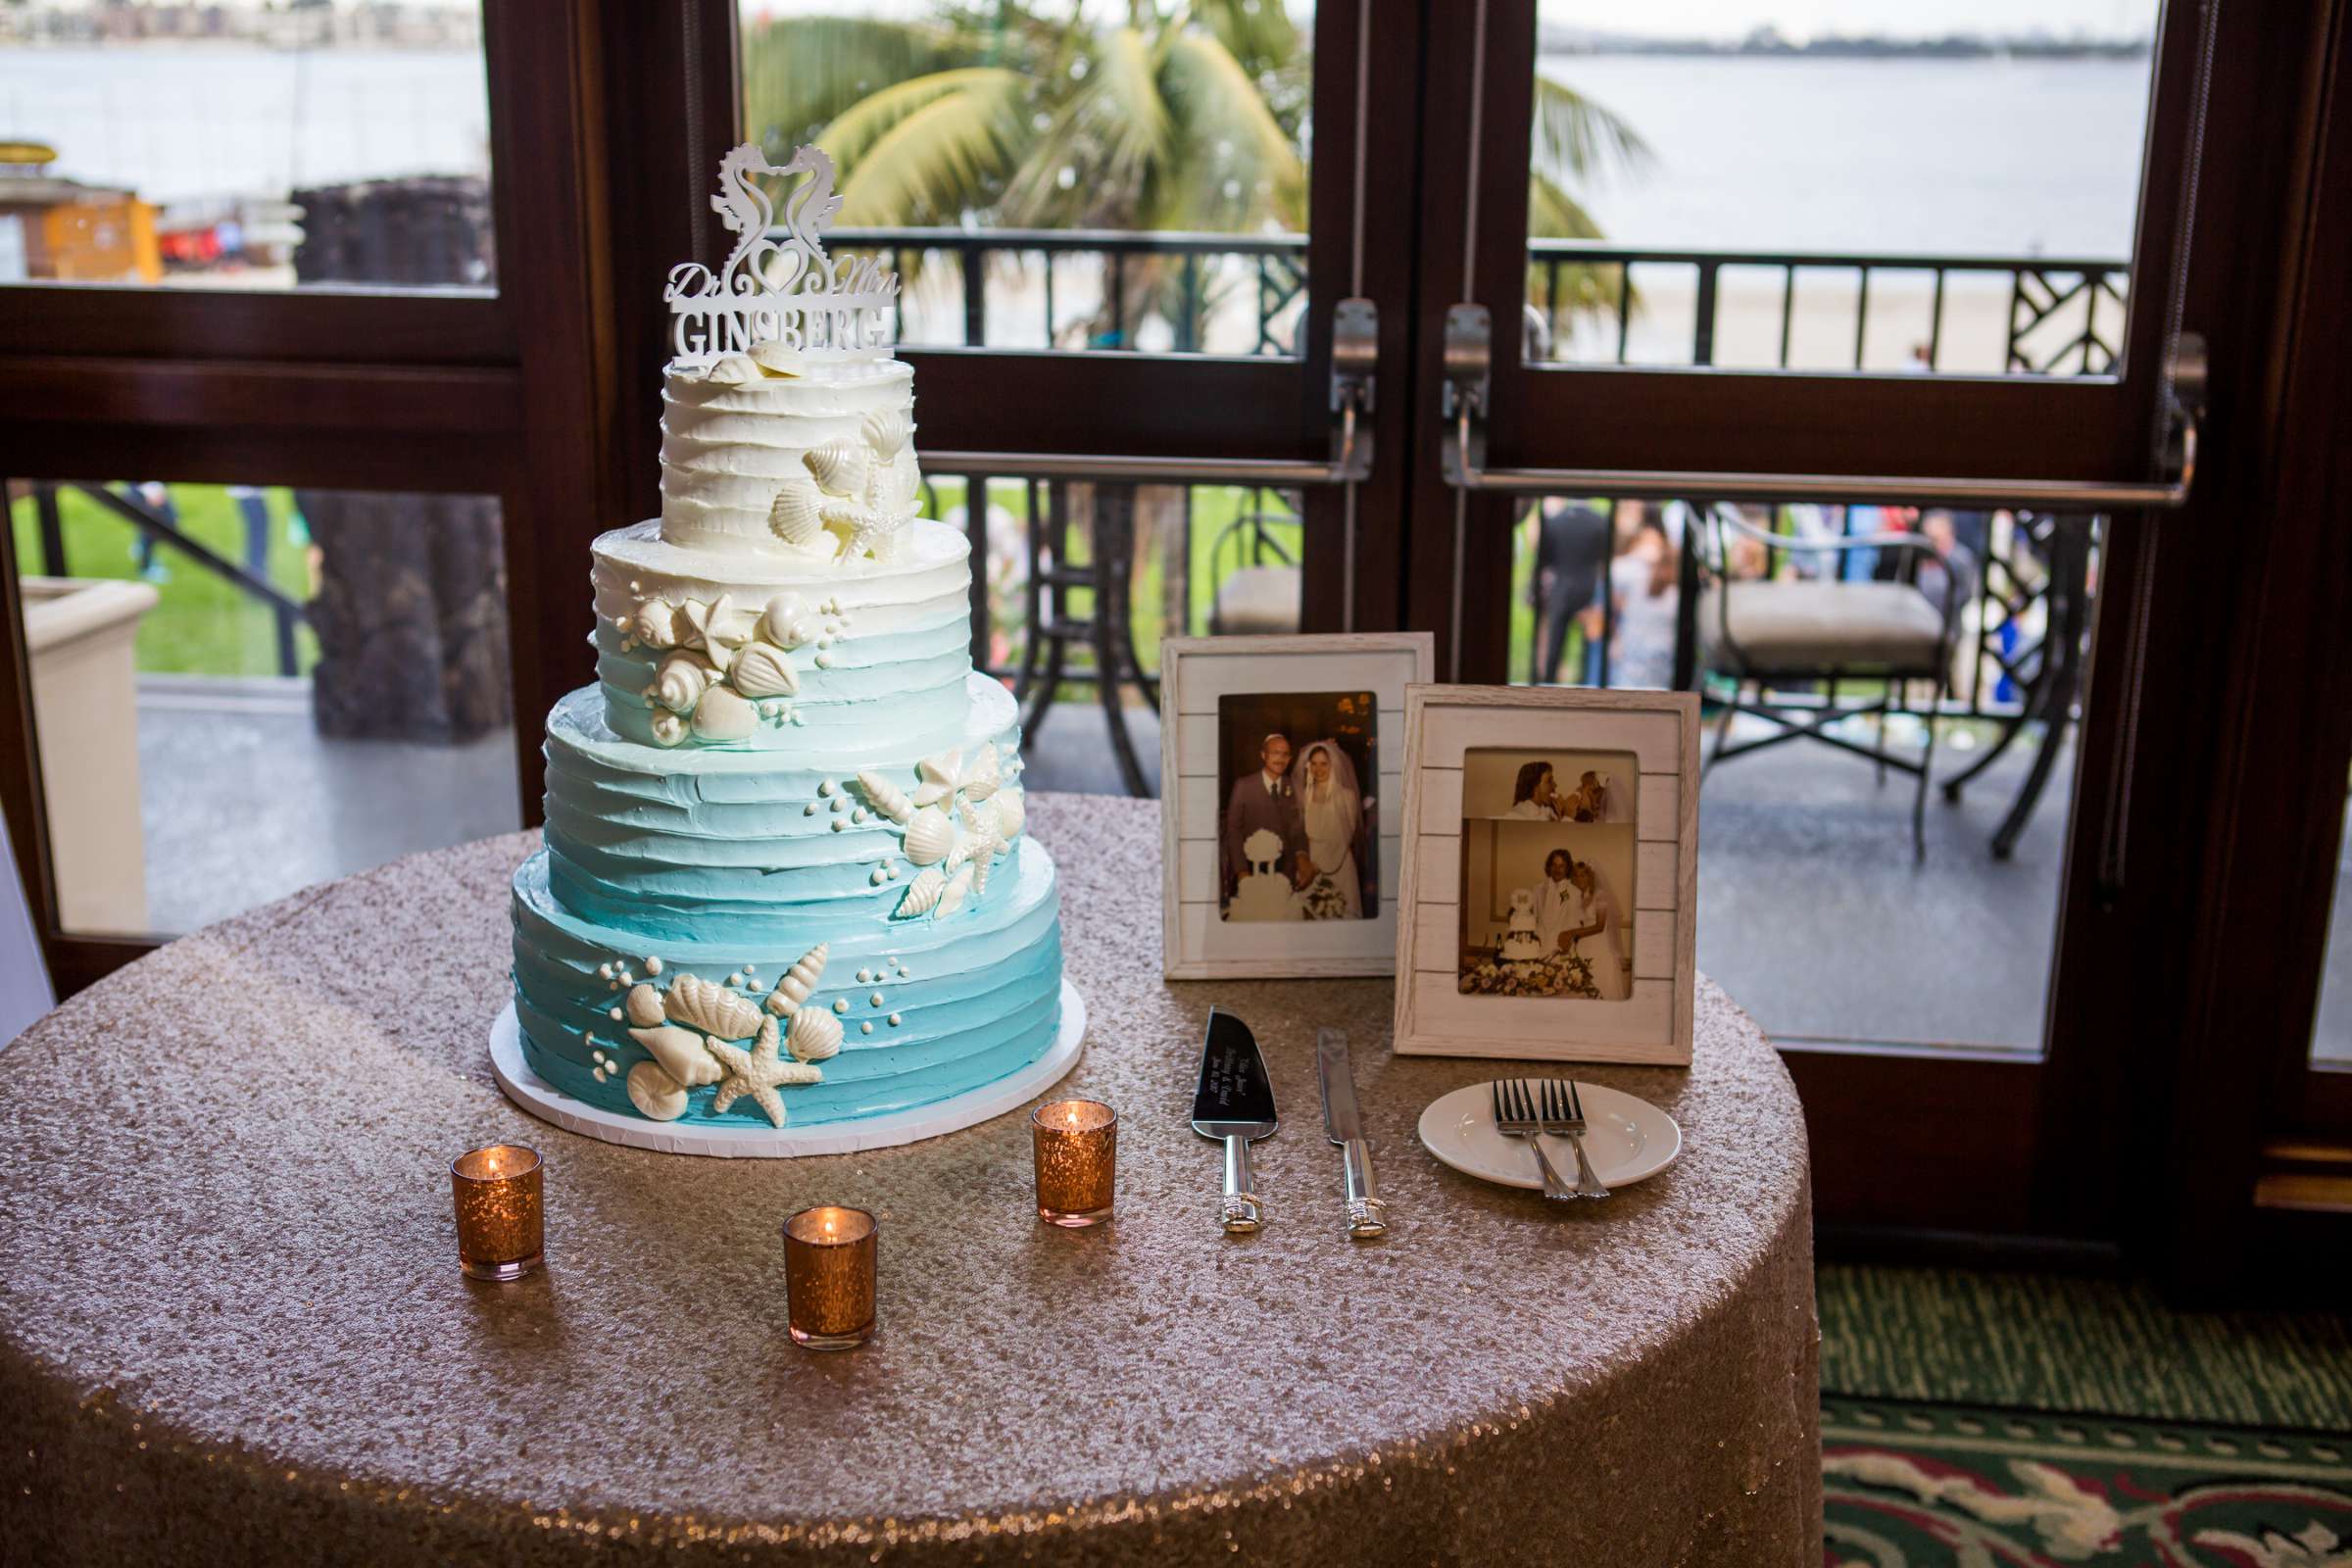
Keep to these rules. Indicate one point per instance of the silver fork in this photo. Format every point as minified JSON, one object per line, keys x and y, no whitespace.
{"x":1515,"y":1117}
{"x":1564,"y":1117}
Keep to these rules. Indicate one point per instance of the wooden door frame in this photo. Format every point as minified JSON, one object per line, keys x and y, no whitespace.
{"x":1998,"y":1155}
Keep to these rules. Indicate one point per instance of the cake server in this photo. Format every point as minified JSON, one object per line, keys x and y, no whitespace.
{"x":1234,"y":1103}
{"x":1343,"y":1125}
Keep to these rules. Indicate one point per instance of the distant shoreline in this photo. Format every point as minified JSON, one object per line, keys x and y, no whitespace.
{"x":1572,"y":42}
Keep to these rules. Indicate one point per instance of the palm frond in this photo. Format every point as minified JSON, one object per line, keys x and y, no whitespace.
{"x":1577,"y":139}
{"x":1123,"y":107}
{"x":1239,"y":165}
{"x":802,"y":72}
{"x":1258,"y":33}
{"x":855,"y":131}
{"x":1553,"y":214}
{"x":941,"y":161}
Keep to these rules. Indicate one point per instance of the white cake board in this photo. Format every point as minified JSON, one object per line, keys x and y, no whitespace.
{"x":759,"y":1142}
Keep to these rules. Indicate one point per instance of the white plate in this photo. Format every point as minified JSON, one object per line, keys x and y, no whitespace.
{"x":1625,"y":1137}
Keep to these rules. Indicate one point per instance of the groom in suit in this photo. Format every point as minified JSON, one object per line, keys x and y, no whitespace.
{"x":1262,"y":799}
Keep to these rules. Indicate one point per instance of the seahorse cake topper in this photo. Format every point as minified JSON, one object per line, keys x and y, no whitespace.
{"x":777,"y":286}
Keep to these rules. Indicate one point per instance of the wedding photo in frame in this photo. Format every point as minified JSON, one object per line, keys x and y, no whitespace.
{"x":1281,"y":766}
{"x":1548,"y":908}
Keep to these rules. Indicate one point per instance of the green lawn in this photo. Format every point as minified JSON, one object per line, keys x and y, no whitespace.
{"x":202,"y":624}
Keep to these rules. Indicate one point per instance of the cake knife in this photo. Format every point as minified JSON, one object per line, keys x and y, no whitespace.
{"x":1343,"y":1124}
{"x":1236,"y":1104}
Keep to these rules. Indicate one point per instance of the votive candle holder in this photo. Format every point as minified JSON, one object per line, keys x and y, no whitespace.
{"x":1076,"y":1144}
{"x":501,"y":1223}
{"x":829,"y":1277}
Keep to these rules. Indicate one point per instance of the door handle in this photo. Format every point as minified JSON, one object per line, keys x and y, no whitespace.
{"x":1354,"y":358}
{"x":1463,"y":458}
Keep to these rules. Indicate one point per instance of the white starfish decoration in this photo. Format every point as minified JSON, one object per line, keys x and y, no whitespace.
{"x":866,"y":527}
{"x":983,"y":840}
{"x":717,"y":629}
{"x":758,"y":1072}
{"x":945,"y":774}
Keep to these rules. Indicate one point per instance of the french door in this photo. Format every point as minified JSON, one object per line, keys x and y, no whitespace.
{"x":2044,"y":436}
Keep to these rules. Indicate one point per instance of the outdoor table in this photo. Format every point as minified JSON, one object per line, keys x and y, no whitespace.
{"x":232,"y":1327}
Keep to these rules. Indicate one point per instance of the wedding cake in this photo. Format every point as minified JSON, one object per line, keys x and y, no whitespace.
{"x":1521,"y":943}
{"x":786,"y":877}
{"x":1265,"y":893}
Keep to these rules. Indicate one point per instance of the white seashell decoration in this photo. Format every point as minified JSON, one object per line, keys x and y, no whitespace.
{"x":814,"y":1034}
{"x":724,"y":716}
{"x":668,"y":728}
{"x":712,"y":1008}
{"x":645,"y":1007}
{"x":762,"y":670}
{"x":952,"y":896}
{"x":799,"y":981}
{"x":884,"y":796}
{"x":1012,"y":814}
{"x":922,"y":894}
{"x":838,"y":467}
{"x":656,"y":624}
{"x":656,"y":1094}
{"x":907,"y":481}
{"x":981,"y":779}
{"x":929,"y":836}
{"x":774,"y":358}
{"x":786,"y":624}
{"x":885,"y":430}
{"x":680,"y":1053}
{"x":793,"y":516}
{"x":736,"y":369}
{"x":680,"y":680}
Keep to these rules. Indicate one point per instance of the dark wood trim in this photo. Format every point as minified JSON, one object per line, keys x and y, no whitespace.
{"x":994,"y":400}
{"x":295,"y":399}
{"x":326,"y":322}
{"x":337,"y":460}
{"x":2265,"y":764}
{"x":549,"y":116}
{"x":1922,"y":1141}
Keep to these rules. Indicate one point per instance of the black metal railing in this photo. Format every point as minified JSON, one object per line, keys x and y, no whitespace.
{"x":1184,"y":280}
{"x":2065,"y":314}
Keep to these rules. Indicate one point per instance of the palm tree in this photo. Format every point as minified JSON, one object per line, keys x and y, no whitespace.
{"x":1184,"y":116}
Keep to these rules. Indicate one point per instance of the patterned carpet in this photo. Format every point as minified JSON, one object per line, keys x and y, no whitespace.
{"x":1911,"y":1485}
{"x":1997,"y":1420}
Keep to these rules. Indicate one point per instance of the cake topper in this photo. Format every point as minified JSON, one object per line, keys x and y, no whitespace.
{"x":778,"y":285}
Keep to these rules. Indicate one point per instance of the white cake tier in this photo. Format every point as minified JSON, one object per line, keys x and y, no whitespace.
{"x":765,"y":846}
{"x":877,"y":652}
{"x":727,"y":447}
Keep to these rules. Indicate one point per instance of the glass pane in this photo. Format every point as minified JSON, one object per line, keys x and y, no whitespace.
{"x":245,"y":146}
{"x":1172,"y":560}
{"x":1057,"y":177}
{"x":1841,"y":634}
{"x":240,"y":691}
{"x":1878,"y":185}
{"x":2331,"y":1035}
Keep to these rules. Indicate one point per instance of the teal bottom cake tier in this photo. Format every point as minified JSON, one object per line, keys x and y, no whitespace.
{"x":883,"y":1015}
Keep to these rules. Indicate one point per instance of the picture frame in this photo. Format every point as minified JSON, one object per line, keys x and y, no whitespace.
{"x":1219,"y":696}
{"x":1501,"y":780}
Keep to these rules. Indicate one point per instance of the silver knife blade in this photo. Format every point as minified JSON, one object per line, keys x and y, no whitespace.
{"x":1343,"y":1125}
{"x":1342,"y":1120}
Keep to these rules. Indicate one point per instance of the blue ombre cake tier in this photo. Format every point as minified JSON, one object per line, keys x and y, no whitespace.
{"x":826,"y":907}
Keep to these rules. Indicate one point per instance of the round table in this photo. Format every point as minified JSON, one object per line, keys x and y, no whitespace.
{"x":232,"y":1327}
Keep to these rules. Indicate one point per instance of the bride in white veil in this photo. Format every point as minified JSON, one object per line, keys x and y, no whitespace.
{"x":1331,"y":815}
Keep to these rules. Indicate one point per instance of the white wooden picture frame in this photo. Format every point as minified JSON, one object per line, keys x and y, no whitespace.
{"x":1651,"y":1025}
{"x":1195,"y":675}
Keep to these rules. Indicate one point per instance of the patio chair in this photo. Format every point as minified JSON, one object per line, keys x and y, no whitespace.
{"x":1260,"y":592}
{"x":1773,"y":635}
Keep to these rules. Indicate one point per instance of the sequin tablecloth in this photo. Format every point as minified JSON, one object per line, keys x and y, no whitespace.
{"x":232,"y":1328}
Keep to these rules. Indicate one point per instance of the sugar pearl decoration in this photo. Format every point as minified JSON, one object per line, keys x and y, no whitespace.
{"x":825,"y":786}
{"x":895,"y":1021}
{"x":840,"y":825}
{"x":863,"y":975}
{"x":867,"y":1028}
{"x":617,"y":1015}
{"x":652,"y":966}
{"x":841,"y":1005}
{"x":875,"y":999}
{"x":605,"y":971}
{"x":810,"y":810}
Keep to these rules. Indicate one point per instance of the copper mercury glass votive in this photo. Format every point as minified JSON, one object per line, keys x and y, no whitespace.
{"x":500,"y":1221}
{"x":829,"y":1277}
{"x":1076,"y":1144}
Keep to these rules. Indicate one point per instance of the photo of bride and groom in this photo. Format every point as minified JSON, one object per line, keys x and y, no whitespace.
{"x":1548,"y":852}
{"x":1297,"y":831}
